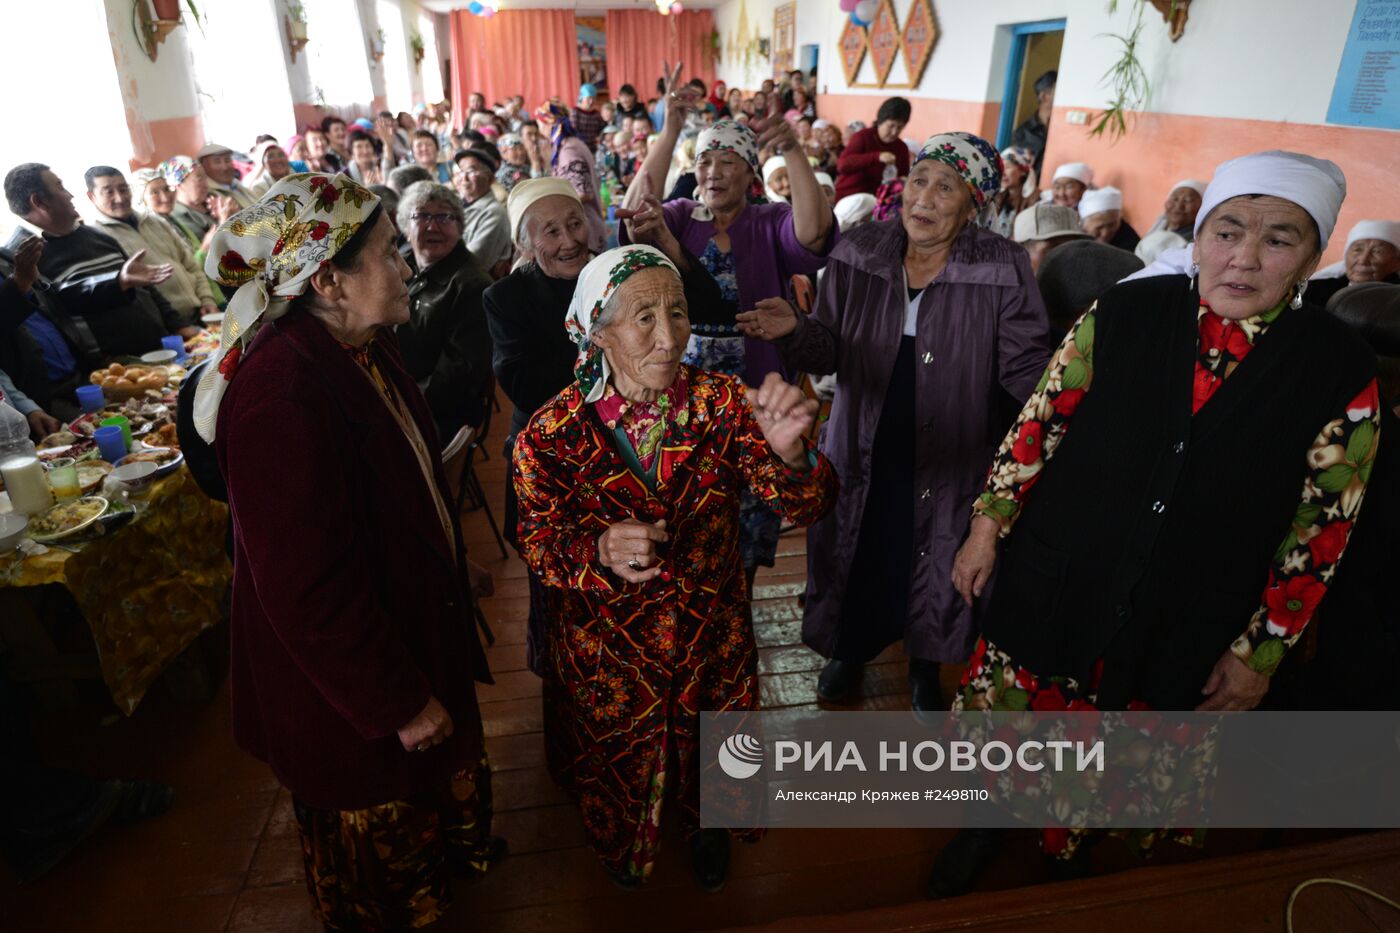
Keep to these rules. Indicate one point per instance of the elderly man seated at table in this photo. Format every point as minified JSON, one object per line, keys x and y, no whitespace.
{"x":94,"y":278}
{"x":446,"y":345}
{"x":188,"y":289}
{"x":1101,"y":215}
{"x":1372,"y":255}
{"x":629,"y":485}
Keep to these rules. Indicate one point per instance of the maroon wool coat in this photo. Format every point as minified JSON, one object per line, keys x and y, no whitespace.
{"x":981,"y":344}
{"x":349,"y":610}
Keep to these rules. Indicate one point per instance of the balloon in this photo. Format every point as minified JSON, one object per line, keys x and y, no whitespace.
{"x":488,"y":12}
{"x":475,"y":8}
{"x":677,"y":8}
{"x":848,"y":5}
{"x":865,"y":9}
{"x":855,"y":18}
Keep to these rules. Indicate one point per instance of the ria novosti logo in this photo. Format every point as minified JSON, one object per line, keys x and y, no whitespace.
{"x":741,"y":756}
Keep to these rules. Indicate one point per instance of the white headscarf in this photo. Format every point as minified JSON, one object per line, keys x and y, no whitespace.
{"x":603,"y":276}
{"x":853,"y":209}
{"x":1079,"y":171}
{"x":1316,"y":185}
{"x":1156,"y":243}
{"x":1197,"y":186}
{"x":1098,"y":200}
{"x":1387,"y":230}
{"x":527,"y":192}
{"x":269,"y":252}
{"x":769,"y":169}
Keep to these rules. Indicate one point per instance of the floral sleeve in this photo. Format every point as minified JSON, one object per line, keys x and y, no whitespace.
{"x":1040,"y":427}
{"x":1339,"y":466}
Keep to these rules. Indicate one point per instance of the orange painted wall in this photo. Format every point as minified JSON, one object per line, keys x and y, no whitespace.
{"x":176,"y":136}
{"x":1163,"y":148}
{"x":929,"y":115}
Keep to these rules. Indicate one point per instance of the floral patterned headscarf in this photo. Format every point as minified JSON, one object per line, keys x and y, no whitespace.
{"x":598,"y":281}
{"x":727,"y":136}
{"x":176,"y":169}
{"x":560,"y":126}
{"x":269,"y":252}
{"x":972,"y":157}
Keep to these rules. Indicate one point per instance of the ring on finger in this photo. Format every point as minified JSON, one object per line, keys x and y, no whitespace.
{"x":634,"y":564}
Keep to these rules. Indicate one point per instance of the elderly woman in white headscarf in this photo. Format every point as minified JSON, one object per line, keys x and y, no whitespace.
{"x":1069,"y":183}
{"x":1101,"y":216}
{"x":1175,"y":497}
{"x":1182,"y":205}
{"x":354,"y":655}
{"x":1372,"y":255}
{"x":751,"y":249}
{"x":629,"y":484}
{"x":270,"y":165}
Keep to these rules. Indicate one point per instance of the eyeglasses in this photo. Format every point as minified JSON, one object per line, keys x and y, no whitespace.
{"x":441,"y":220}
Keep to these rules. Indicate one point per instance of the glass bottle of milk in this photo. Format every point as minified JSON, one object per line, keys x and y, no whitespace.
{"x":25,"y":482}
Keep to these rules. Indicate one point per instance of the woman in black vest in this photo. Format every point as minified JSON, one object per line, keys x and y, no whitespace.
{"x":1177,"y":493}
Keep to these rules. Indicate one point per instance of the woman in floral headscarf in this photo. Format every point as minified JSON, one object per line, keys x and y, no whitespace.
{"x":1018,"y":189}
{"x":573,"y":162}
{"x":354,"y":656}
{"x":629,"y":485}
{"x":751,"y":250}
{"x":932,"y":324}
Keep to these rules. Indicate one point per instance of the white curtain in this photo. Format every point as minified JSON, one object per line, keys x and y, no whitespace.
{"x":242,"y":85}
{"x":338,"y":54}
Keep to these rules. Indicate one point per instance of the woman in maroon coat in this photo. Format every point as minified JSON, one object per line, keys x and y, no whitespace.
{"x":354,"y":657}
{"x":873,"y":150}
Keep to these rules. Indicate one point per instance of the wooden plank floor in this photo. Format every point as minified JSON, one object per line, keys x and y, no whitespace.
{"x":226,"y":857}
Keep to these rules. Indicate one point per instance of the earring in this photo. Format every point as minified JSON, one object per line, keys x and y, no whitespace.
{"x":1195,"y":270}
{"x":1298,"y":290}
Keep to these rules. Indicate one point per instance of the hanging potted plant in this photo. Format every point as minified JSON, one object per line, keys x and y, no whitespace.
{"x":376,"y":45}
{"x":295,"y":23}
{"x":418,"y":49}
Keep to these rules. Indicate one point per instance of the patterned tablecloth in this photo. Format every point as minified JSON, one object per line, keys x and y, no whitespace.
{"x":146,"y":589}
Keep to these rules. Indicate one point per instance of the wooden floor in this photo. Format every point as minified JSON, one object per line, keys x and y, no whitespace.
{"x":226,"y":857}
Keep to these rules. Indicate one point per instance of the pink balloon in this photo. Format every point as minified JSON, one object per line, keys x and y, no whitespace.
{"x":677,"y":8}
{"x":488,"y":12}
{"x":848,"y":6}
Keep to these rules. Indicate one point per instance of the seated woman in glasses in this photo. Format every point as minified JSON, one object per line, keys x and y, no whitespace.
{"x":446,"y":344}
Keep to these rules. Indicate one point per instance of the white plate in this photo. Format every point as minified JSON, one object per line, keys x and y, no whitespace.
{"x":44,"y":539}
{"x":162,"y":469}
{"x":159,"y":357}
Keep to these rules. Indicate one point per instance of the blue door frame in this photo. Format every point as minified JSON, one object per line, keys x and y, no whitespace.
{"x":1020,"y":34}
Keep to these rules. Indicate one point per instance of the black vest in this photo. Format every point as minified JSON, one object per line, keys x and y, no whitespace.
{"x":1147,"y":541}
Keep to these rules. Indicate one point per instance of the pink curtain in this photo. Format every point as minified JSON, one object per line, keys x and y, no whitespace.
{"x":638,"y":41}
{"x":529,"y":52}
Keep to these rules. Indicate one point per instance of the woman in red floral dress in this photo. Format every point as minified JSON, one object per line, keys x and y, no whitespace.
{"x":1177,"y":493}
{"x":629,"y":485}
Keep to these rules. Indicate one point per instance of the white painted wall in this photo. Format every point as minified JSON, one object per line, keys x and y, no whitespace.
{"x":1270,"y":60}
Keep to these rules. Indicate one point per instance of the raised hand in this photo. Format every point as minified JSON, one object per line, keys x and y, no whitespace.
{"x":628,"y":549}
{"x":27,"y":263}
{"x":775,"y":131}
{"x":771,"y":319}
{"x":137,"y":272}
{"x":647,"y":226}
{"x":785,"y":415}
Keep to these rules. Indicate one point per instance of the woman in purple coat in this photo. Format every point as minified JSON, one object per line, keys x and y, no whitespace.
{"x":935,"y":330}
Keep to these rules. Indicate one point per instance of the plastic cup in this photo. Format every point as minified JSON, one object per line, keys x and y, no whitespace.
{"x":91,"y":398}
{"x":63,"y":479}
{"x":110,"y":442}
{"x":122,"y":422}
{"x":175,"y":342}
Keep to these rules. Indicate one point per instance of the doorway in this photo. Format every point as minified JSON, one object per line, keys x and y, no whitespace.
{"x":1035,"y":49}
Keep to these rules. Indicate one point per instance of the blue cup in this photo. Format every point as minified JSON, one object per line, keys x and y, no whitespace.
{"x":110,"y":442}
{"x":90,"y":398}
{"x":177,"y":343}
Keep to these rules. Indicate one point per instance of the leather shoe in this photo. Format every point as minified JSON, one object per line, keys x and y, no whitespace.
{"x":709,"y":857}
{"x":926,"y":696}
{"x":838,"y":680}
{"x":962,"y":861}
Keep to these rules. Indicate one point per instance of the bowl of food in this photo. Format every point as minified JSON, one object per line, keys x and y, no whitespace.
{"x":159,"y":357}
{"x":166,"y":459}
{"x":136,"y":475}
{"x":91,"y":473}
{"x":120,"y":382}
{"x":13,"y":525}
{"x":66,"y":518}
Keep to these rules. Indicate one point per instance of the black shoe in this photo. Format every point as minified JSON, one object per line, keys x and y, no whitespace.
{"x":926,"y":694}
{"x":624,"y":879}
{"x":960,"y":864}
{"x":1080,"y":865}
{"x":475,"y":858}
{"x":838,"y":680}
{"x":709,"y":857}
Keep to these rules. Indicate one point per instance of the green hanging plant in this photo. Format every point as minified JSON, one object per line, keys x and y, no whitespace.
{"x":1127,"y":78}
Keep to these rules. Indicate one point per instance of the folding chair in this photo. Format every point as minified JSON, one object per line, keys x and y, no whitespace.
{"x":463,"y":448}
